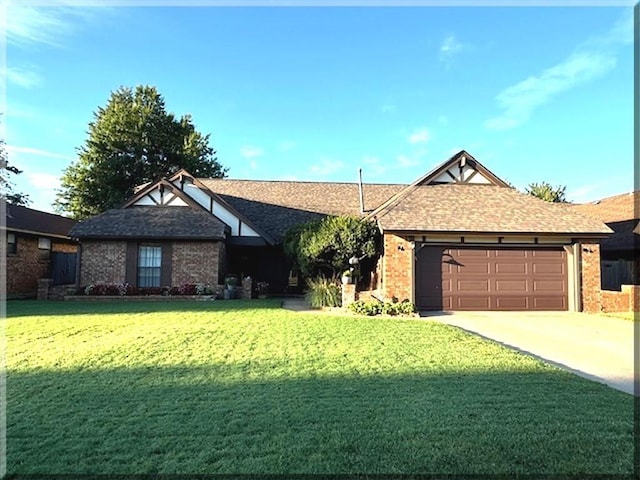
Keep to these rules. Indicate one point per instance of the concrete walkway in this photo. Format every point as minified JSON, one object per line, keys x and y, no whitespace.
{"x":593,"y":346}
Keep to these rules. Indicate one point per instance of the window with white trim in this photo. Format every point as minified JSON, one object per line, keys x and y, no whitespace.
{"x":149,"y":265}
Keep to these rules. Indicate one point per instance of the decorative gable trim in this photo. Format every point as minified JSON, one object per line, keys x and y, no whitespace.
{"x":216,"y":205}
{"x":461,"y":168}
{"x":161,"y":193}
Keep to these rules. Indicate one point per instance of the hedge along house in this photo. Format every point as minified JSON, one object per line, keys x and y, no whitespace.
{"x":457,"y":238}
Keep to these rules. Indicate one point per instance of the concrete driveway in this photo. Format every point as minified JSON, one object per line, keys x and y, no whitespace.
{"x":593,"y":346}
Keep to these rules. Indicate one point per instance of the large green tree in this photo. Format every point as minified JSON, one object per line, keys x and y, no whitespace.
{"x":545,"y":191}
{"x":132,"y":140}
{"x":6,"y":185}
{"x":328,"y":244}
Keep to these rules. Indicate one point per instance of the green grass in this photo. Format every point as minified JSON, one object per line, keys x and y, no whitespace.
{"x":246,"y":387}
{"x":631,"y":316}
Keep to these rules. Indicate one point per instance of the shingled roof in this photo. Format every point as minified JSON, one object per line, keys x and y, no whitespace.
{"x":276,"y":206}
{"x":617,"y":208}
{"x":483,"y":209}
{"x":28,"y":220}
{"x":621,"y":213}
{"x":152,"y":222}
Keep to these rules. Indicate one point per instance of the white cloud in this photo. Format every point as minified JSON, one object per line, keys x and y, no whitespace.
{"x":22,"y":77}
{"x":287,"y":145}
{"x":28,"y":25}
{"x":373,"y":166}
{"x":44,"y":181}
{"x":248,"y":151}
{"x":592,"y":59}
{"x":449,"y":47}
{"x":407,"y":161}
{"x":14,"y":149}
{"x":419,"y":136}
{"x":253,"y":165}
{"x":388,"y":108}
{"x":326,"y":167}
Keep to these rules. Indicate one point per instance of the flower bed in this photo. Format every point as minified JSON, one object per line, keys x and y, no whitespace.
{"x":125,"y":290}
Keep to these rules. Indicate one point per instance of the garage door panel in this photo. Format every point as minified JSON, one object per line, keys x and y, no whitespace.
{"x":492,"y":278}
{"x":471,"y":268}
{"x":547,"y":286}
{"x":512,"y":303}
{"x":553,"y":255}
{"x":472,"y":303}
{"x":548,"y":268}
{"x":473,"y":285}
{"x":549,"y":303}
{"x":510,"y":253}
{"x":510,"y":268}
{"x":468,"y":253}
{"x":511,"y":286}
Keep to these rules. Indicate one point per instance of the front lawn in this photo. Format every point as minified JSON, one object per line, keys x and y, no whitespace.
{"x":246,"y":387}
{"x":631,"y":316}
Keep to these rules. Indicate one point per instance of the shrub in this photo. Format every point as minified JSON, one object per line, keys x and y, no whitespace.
{"x":323,"y":292}
{"x":361,"y":307}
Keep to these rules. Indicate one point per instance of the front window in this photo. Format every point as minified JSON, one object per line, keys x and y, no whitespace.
{"x":11,"y":244}
{"x":44,"y":248}
{"x":149,"y":263}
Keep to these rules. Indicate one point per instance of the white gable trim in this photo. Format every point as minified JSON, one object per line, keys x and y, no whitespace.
{"x":466,"y":174}
{"x":237,"y":226}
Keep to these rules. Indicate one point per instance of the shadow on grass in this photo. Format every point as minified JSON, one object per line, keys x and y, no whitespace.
{"x":28,"y":308}
{"x":228,"y":418}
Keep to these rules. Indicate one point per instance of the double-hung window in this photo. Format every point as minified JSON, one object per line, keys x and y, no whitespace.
{"x":149,"y":265}
{"x":44,"y":248}
{"x":11,"y":244}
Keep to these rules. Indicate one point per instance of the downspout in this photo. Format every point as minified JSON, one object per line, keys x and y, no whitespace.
{"x":361,"y":191}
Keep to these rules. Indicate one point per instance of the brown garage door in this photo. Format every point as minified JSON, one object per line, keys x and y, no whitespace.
{"x":491,"y":278}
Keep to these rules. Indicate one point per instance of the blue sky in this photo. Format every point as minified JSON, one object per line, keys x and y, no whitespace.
{"x":535,"y":94}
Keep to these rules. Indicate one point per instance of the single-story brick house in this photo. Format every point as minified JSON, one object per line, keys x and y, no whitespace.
{"x":33,"y":238}
{"x":458,"y":238}
{"x":620,"y":253}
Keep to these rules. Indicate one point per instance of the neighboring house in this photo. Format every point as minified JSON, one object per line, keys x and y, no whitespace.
{"x":620,"y":253}
{"x":459,"y":238}
{"x":38,"y":246}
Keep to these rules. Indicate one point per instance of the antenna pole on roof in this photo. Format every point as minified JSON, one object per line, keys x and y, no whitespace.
{"x":361,"y":191}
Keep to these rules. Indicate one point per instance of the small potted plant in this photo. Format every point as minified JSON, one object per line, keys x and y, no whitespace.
{"x":230,"y":287}
{"x":347,"y":277}
{"x":262,"y":289}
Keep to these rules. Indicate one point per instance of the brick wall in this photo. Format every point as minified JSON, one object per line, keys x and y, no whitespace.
{"x":397,"y":275}
{"x":24,"y":268}
{"x":590,"y":276}
{"x":103,"y":262}
{"x":195,"y":262}
{"x":63,"y":247}
{"x":625,"y":301}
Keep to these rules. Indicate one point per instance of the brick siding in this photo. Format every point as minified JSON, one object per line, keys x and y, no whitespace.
{"x":625,"y":301}
{"x":103,"y":262}
{"x":590,"y":276}
{"x":195,"y":262}
{"x":24,"y":268}
{"x":191,"y":262}
{"x":397,"y":275}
